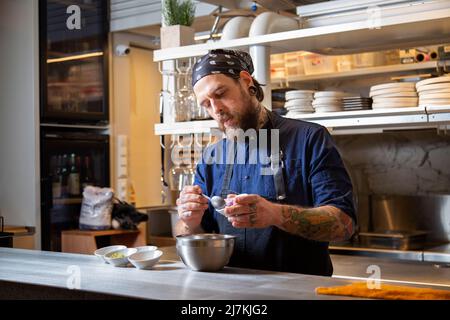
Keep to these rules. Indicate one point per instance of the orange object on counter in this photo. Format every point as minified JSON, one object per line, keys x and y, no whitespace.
{"x":386,"y":291}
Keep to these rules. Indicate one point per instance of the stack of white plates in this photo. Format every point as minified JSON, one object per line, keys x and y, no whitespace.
{"x":394,"y":95}
{"x":434,"y":91}
{"x":299,"y":102}
{"x":329,"y":101}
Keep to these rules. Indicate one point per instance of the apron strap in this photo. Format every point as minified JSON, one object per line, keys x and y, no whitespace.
{"x":278,"y":178}
{"x":228,"y":171}
{"x":277,"y":170}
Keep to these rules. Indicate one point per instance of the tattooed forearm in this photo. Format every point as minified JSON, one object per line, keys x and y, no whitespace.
{"x":325,"y":223}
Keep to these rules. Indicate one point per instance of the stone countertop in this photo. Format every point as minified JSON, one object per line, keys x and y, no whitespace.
{"x":170,"y":279}
{"x":356,"y":267}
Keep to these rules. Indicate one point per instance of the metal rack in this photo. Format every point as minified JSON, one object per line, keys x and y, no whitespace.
{"x":421,"y":27}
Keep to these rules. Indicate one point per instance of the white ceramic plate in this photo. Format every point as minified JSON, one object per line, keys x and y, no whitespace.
{"x":435,"y":87}
{"x":331,"y":94}
{"x":299,"y":94}
{"x":434,"y":105}
{"x":299,"y":106}
{"x":328,"y":100}
{"x":434,"y":101}
{"x":401,"y":94}
{"x":302,"y":110}
{"x":300,"y":91}
{"x":389,"y":91}
{"x":320,"y":106}
{"x":432,"y":81}
{"x":294,"y":102}
{"x":394,"y":85}
{"x":435,"y":95}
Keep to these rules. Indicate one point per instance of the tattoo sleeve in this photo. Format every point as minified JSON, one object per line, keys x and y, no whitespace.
{"x":326,"y":223}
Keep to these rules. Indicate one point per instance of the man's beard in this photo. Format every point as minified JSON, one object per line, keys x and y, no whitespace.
{"x":249,"y":119}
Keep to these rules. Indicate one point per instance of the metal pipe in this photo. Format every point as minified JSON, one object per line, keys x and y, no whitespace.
{"x":265,"y":23}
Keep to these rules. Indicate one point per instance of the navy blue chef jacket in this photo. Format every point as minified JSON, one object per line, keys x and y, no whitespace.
{"x":314,"y":175}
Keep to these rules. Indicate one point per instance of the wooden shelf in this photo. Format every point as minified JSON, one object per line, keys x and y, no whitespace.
{"x":429,"y":27}
{"x":359,"y":72}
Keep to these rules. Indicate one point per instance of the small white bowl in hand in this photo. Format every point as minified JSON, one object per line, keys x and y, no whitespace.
{"x":100,"y":253}
{"x":122,"y":260}
{"x":145,"y":259}
{"x":146,"y":248}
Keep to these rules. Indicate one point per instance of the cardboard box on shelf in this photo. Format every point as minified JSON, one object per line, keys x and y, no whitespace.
{"x":317,"y":64}
{"x":344,"y":63}
{"x":294,"y":64}
{"x":368,"y":59}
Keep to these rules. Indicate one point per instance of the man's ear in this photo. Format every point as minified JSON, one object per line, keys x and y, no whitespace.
{"x":246,"y":77}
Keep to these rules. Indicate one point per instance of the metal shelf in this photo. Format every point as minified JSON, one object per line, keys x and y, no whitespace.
{"x":343,"y":122}
{"x":428,"y":27}
{"x":381,"y":118}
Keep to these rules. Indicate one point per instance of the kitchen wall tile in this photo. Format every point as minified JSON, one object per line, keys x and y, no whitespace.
{"x":403,"y":163}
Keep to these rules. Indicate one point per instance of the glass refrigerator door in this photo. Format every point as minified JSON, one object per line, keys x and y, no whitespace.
{"x":74,"y":75}
{"x":70,"y":162}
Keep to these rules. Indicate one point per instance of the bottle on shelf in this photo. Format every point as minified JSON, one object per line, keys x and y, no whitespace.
{"x":55,"y":165}
{"x":87,"y":178}
{"x":64,"y":175}
{"x":74,"y":177}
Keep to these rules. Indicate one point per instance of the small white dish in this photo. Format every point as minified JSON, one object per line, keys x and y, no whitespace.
{"x":119,"y":258}
{"x":145,"y":259}
{"x":100,"y":253}
{"x":146,"y":248}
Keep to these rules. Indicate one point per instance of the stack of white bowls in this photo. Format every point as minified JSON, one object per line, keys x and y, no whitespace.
{"x":299,"y":102}
{"x":434,"y":91}
{"x":329,"y":101}
{"x":394,"y":95}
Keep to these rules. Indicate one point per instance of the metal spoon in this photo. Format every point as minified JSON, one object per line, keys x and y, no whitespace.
{"x":217,"y":202}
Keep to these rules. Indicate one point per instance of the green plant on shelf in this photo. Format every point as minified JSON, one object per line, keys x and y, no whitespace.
{"x":177,"y":12}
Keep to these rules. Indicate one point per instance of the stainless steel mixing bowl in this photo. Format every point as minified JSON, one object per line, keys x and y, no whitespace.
{"x":206,"y":251}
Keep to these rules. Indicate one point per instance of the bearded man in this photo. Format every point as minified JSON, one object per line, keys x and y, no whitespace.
{"x":282,"y":221}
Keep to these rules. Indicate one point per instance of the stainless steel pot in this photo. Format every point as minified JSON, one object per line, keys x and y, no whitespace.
{"x":205,"y":252}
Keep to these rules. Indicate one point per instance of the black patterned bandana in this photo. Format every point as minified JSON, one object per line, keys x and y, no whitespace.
{"x":221,"y":61}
